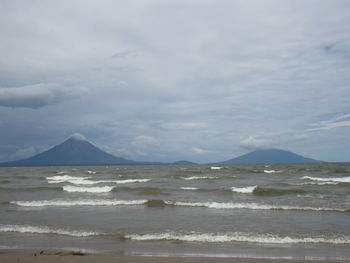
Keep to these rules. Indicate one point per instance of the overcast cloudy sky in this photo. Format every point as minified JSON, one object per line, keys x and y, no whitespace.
{"x":166,"y":80}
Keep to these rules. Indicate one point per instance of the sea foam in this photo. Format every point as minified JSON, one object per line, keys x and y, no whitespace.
{"x":77,"y":189}
{"x":200,"y":178}
{"x":85,"y":180}
{"x":252,"y":206}
{"x":67,"y":178}
{"x":271,"y":171}
{"x":189,"y":188}
{"x":237,"y":237}
{"x":84,"y":202}
{"x":330,"y":179}
{"x":244,"y":190}
{"x":46,"y":230}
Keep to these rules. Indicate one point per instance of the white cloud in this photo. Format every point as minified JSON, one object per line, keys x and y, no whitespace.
{"x":78,"y":136}
{"x":253,"y":143}
{"x":199,"y":150}
{"x":337,"y":122}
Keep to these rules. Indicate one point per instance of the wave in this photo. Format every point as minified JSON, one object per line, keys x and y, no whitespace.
{"x":271,"y":171}
{"x":46,"y":230}
{"x":6,"y":182}
{"x":163,"y":203}
{"x":86,"y":202}
{"x":276,"y":191}
{"x":84,"y":180}
{"x":30,"y":189}
{"x":200,"y":178}
{"x":128,"y":181}
{"x":189,"y":188}
{"x":244,"y":190}
{"x":67,"y":178}
{"x":216,"y":167}
{"x":319,"y":183}
{"x":91,"y":172}
{"x":142,"y":190}
{"x":77,"y":189}
{"x":237,"y":237}
{"x":62,"y":172}
{"x":252,"y":206}
{"x":330,"y":179}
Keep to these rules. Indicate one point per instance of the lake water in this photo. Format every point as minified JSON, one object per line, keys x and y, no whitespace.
{"x":285,"y":210}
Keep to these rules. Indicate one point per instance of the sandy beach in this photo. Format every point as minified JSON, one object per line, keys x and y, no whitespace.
{"x":77,"y":257}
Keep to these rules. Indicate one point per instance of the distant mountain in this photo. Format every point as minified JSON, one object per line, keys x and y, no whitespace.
{"x":74,"y":151}
{"x":270,"y":156}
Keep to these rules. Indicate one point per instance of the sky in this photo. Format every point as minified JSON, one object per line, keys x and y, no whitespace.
{"x":169,"y":80}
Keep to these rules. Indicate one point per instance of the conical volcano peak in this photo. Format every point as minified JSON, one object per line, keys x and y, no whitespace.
{"x":76,"y":150}
{"x":77,"y":137}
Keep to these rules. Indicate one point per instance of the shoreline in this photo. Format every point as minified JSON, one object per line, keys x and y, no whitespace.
{"x":58,"y":256}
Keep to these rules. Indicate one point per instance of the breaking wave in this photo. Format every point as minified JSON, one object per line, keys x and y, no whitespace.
{"x":216,"y":167}
{"x":319,"y":183}
{"x":77,"y":189}
{"x":67,"y":178}
{"x":244,"y":190}
{"x":200,"y":178}
{"x":171,"y":203}
{"x":85,"y":180}
{"x":30,"y":189}
{"x":87,"y":202}
{"x":237,"y":237}
{"x":256,"y":190}
{"x":46,"y":230}
{"x":330,"y":179}
{"x":271,"y":171}
{"x":276,"y":191}
{"x":189,"y":188}
{"x":252,"y":206}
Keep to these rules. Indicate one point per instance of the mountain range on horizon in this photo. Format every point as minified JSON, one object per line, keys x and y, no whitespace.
{"x":77,"y":151}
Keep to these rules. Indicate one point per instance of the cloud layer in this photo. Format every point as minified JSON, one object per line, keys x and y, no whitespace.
{"x":34,"y":96}
{"x":172,"y":80}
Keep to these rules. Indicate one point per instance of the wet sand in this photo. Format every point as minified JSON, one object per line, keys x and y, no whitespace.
{"x":77,"y":257}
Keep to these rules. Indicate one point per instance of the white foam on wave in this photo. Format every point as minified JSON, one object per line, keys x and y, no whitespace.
{"x":216,"y":168}
{"x":319,"y":183}
{"x":67,"y":178}
{"x":189,"y":188}
{"x":85,"y":202}
{"x":84,"y":180}
{"x":128,"y":181}
{"x":91,"y":172}
{"x":330,"y":179}
{"x":200,"y":178}
{"x":244,"y":190}
{"x":46,"y":230}
{"x":237,"y":237}
{"x":77,"y":189}
{"x":271,"y":171}
{"x":252,"y":206}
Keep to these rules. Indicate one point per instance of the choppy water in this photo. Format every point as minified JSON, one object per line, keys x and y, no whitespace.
{"x":292,"y":211}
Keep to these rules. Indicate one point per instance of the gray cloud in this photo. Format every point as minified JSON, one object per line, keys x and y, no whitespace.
{"x":196,"y":75}
{"x":34,"y":96}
